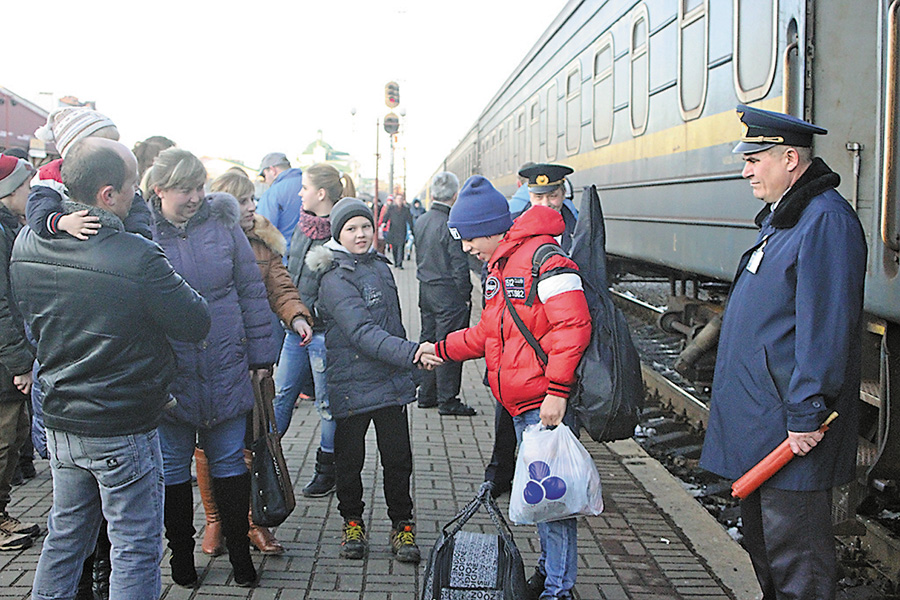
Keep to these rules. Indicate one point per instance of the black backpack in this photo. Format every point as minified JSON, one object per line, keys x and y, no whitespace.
{"x":465,"y":564}
{"x":609,"y":392}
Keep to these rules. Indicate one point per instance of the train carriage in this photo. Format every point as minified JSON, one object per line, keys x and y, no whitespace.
{"x":639,"y":97}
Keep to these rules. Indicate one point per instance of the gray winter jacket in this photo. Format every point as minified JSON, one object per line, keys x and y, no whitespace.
{"x":370,"y":361}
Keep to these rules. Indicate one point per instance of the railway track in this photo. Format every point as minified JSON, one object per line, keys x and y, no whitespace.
{"x":672,"y":430}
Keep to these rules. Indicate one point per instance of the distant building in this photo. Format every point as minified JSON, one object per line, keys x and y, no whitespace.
{"x":18,"y":120}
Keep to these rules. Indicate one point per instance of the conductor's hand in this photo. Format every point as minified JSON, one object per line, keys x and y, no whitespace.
{"x":804,"y":441}
{"x":553,"y":409}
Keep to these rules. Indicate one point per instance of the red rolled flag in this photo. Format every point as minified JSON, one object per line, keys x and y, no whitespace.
{"x":768,"y":466}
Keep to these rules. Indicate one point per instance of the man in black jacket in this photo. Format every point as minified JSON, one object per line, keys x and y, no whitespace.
{"x":100,"y":310}
{"x":16,"y":354}
{"x":445,"y":294}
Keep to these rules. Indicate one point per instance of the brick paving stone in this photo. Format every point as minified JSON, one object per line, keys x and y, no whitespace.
{"x":632,"y":550}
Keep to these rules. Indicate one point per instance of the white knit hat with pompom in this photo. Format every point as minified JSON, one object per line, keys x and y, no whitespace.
{"x":66,"y":126}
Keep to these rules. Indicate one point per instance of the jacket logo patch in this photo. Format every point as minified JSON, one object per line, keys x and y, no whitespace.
{"x":372,"y":295}
{"x":491,"y":287}
{"x":515,"y":287}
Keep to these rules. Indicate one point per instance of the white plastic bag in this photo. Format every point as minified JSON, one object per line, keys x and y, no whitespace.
{"x":555,"y":477}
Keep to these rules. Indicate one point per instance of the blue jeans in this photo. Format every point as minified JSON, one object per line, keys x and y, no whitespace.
{"x":223,"y":445}
{"x":316,"y":350}
{"x":119,"y":478}
{"x":291,"y":377}
{"x":559,"y":539}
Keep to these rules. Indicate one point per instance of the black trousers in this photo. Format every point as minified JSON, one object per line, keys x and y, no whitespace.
{"x":443,"y":311}
{"x":503,"y":459}
{"x":397,"y":252}
{"x":392,"y":435}
{"x":791,"y":543}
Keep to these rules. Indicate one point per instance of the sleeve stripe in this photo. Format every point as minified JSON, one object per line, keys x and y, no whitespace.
{"x":558,"y":284}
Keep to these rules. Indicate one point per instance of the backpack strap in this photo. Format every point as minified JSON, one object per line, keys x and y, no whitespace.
{"x":529,"y":337}
{"x":541,"y":254}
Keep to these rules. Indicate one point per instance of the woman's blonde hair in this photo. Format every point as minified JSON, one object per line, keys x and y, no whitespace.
{"x":231,"y":182}
{"x":173,"y":168}
{"x":326,"y":177}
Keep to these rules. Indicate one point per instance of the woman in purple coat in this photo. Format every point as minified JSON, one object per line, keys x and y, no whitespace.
{"x":212,"y":391}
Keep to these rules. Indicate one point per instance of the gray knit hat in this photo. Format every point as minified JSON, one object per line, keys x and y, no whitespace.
{"x":346,"y":209}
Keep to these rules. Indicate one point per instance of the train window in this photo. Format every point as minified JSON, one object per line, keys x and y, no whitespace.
{"x":639,"y":57}
{"x":755,"y":47}
{"x":693,"y":51}
{"x":534,"y":122}
{"x":573,"y":110}
{"x":602,"y":118}
{"x":552,"y":122}
{"x":508,"y":154}
{"x":522,"y":147}
{"x":501,"y":150}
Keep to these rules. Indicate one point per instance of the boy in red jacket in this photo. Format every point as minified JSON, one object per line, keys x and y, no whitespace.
{"x":558,"y":318}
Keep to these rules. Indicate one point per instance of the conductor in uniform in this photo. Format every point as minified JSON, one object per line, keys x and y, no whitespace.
{"x":789,"y":355}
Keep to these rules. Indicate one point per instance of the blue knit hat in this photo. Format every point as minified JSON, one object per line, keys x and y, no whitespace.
{"x":479,"y":211}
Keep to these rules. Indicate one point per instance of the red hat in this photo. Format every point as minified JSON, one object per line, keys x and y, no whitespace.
{"x":13,"y":173}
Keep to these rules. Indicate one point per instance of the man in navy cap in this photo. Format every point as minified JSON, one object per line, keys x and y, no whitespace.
{"x":789,"y":354}
{"x":547,"y":187}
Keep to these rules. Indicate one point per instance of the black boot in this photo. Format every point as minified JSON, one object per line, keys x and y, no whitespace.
{"x":322,"y":482}
{"x":102,"y":566}
{"x":233,"y":498}
{"x":179,"y":520}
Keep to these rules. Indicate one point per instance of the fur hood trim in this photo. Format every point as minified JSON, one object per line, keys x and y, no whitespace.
{"x":224,"y":207}
{"x":321,"y":258}
{"x":268,"y":234}
{"x":817,"y":179}
{"x":107,"y":219}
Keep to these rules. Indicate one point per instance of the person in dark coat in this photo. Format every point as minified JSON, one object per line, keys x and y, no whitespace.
{"x":445,"y":294}
{"x":206,"y":245}
{"x":788,"y":355}
{"x":370,"y":364}
{"x":103,"y":312}
{"x":16,"y":353}
{"x":399,"y":220}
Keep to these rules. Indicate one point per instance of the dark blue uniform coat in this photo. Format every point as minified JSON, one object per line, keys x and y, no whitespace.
{"x":789,"y":351}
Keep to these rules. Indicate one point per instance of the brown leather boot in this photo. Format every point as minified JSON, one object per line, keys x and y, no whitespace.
{"x":261,"y":537}
{"x":213,"y":542}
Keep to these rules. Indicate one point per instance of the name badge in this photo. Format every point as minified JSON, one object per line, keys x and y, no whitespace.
{"x":756,"y":257}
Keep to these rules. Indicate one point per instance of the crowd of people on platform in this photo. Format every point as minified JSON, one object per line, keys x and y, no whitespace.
{"x":141,"y":299}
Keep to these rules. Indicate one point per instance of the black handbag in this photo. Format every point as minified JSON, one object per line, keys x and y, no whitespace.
{"x":470,"y":565}
{"x":271,"y":492}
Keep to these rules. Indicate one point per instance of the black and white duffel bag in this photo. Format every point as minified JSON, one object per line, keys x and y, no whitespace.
{"x":464,"y":565}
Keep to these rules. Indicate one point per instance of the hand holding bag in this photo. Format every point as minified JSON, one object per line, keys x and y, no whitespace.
{"x":271,"y":492}
{"x":555,"y":477}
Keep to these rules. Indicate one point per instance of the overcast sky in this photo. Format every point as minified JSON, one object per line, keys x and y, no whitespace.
{"x":240,"y":79}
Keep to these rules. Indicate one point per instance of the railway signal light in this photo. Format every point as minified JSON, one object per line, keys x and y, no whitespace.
{"x":392,"y":94}
{"x":391,"y":123}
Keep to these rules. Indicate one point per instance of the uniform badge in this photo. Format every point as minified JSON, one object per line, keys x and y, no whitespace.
{"x":541,"y":180}
{"x":491,"y":286}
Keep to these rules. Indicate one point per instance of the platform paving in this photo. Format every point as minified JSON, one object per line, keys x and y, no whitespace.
{"x":652,"y":542}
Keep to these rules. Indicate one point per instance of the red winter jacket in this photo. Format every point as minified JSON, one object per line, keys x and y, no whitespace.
{"x":558,"y":319}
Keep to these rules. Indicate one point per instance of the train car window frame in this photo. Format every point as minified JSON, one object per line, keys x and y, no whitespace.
{"x":521,"y":125}
{"x":605,"y":43}
{"x":508,"y":154}
{"x":755,"y":93}
{"x":687,"y":18}
{"x":573,"y":108}
{"x":552,"y":147}
{"x":534,"y":125}
{"x":637,"y":52}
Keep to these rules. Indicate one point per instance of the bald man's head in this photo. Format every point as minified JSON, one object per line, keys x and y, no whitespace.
{"x":101,"y":172}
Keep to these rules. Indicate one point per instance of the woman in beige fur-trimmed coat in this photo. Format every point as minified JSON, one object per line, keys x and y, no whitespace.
{"x":268,"y":246}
